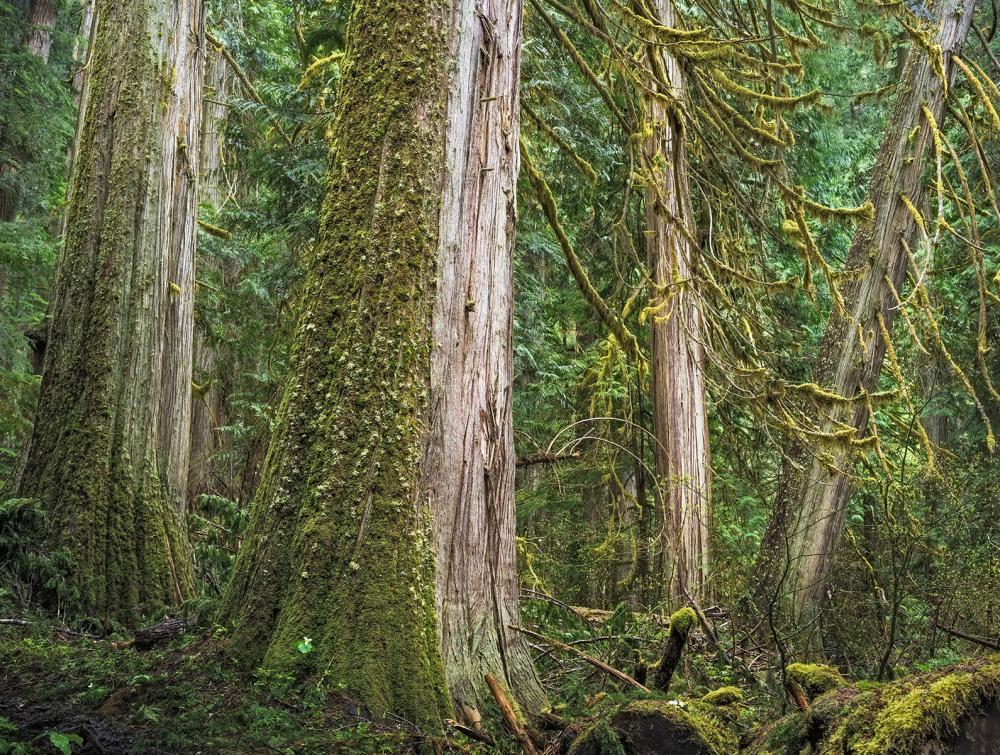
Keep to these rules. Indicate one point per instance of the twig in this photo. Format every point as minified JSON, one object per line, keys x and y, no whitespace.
{"x":479,"y":736}
{"x":247,"y":84}
{"x":555,"y":601}
{"x":595,"y":662}
{"x":544,"y":458}
{"x":57,"y":630}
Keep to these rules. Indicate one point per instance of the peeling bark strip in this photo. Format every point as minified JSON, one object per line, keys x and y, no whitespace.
{"x":108,"y":455}
{"x":814,"y":489}
{"x":468,"y":466}
{"x":680,"y":416}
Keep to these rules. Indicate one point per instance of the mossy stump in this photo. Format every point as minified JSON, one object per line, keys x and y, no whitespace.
{"x":681,"y":623}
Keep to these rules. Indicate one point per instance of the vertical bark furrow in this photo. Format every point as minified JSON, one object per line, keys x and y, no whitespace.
{"x":680,"y":415}
{"x":468,"y":467}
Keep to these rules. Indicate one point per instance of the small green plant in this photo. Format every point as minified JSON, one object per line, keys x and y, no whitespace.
{"x":306,"y":646}
{"x":64,"y":742}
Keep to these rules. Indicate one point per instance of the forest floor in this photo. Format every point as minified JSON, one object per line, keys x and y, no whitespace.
{"x":65,"y":693}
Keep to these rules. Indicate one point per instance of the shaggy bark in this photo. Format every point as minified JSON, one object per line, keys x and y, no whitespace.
{"x":468,"y":464}
{"x":680,"y":416}
{"x":814,"y":489}
{"x":207,"y":405}
{"x":108,"y":454}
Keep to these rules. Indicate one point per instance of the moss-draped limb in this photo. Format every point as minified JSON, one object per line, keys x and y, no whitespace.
{"x":611,"y":320}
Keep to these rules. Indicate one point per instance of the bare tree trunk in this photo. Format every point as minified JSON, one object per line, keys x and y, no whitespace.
{"x":680,"y":415}
{"x":206,"y":398}
{"x":108,"y":455}
{"x":814,"y":489}
{"x":468,"y":468}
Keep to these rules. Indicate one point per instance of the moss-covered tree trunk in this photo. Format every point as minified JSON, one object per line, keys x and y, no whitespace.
{"x":680,"y":414}
{"x":339,"y":545}
{"x":393,"y":451}
{"x":108,"y":455}
{"x":468,"y":465}
{"x":814,"y":489}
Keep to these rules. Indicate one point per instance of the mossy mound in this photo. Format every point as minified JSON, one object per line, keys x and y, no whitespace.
{"x":814,"y":678}
{"x":954,"y":710}
{"x":723,"y":696}
{"x":651,"y":727}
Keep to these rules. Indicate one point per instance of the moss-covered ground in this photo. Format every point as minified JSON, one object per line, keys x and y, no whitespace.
{"x":189,"y":695}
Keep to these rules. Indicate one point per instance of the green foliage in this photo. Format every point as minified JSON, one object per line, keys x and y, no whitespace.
{"x":36,"y":120}
{"x":65,"y":742}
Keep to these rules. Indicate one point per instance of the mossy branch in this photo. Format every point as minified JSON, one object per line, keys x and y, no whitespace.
{"x":247,"y":84}
{"x":548,"y":202}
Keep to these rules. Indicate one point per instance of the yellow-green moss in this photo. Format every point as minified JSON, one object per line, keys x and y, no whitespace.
{"x":814,"y":678}
{"x":683,"y":621}
{"x":94,"y":465}
{"x":899,"y":718}
{"x":723,"y":696}
{"x":698,"y":720}
{"x":338,"y":547}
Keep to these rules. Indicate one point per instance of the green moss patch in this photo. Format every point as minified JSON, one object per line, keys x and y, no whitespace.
{"x":651,"y":726}
{"x":898,"y":718}
{"x":815,"y":678}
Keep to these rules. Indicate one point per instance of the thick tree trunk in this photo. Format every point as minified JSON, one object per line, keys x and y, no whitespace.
{"x":108,"y":455}
{"x":41,"y":21}
{"x":339,"y":544}
{"x":814,"y":489}
{"x":393,"y":450}
{"x":206,"y":398}
{"x":680,"y":415}
{"x":468,"y":467}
